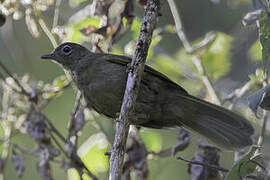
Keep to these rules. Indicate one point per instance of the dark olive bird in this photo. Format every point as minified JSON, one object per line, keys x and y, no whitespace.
{"x":161,"y":103}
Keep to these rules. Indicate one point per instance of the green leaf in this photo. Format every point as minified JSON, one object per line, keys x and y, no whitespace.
{"x":244,"y":166}
{"x":92,"y":152}
{"x":135,"y":27}
{"x":264,"y":35}
{"x":124,"y":22}
{"x":217,"y":59}
{"x":170,"y":29}
{"x":257,"y":77}
{"x":74,"y":34}
{"x":152,"y":140}
{"x":255,"y":51}
{"x":73,"y":174}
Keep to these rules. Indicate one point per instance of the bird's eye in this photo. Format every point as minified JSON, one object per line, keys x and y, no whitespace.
{"x":67,"y":50}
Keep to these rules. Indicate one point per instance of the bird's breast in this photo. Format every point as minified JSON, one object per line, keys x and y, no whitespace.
{"x":104,"y":93}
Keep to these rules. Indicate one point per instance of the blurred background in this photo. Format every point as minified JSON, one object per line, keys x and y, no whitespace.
{"x":230,"y":60}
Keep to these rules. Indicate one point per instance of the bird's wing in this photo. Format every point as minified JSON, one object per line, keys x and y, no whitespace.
{"x":125,"y":61}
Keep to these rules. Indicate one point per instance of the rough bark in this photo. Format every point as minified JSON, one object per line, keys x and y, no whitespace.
{"x":132,"y":88}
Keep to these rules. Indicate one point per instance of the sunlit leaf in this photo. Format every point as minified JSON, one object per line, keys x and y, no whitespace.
{"x":74,"y":33}
{"x":124,"y":22}
{"x":255,"y":52}
{"x":73,"y":174}
{"x":135,"y":27}
{"x":152,"y":140}
{"x":92,"y":152}
{"x":217,"y":59}
{"x":257,"y":77}
{"x":170,"y":28}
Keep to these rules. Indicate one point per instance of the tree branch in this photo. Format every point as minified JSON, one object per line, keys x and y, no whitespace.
{"x":204,"y":164}
{"x":195,"y":58}
{"x":132,"y":88}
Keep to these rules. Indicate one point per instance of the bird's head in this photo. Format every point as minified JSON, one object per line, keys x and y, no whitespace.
{"x":67,"y":54}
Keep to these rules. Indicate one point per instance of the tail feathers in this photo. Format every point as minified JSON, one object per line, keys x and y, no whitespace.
{"x":221,"y":126}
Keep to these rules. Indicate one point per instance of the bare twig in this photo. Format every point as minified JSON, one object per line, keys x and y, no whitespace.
{"x":8,"y":85}
{"x":15,"y":80}
{"x":263,"y":119}
{"x":195,"y":58}
{"x":74,"y":159}
{"x":237,"y":94}
{"x":47,"y":101}
{"x":56,"y":13}
{"x":132,"y":87}
{"x":204,"y":164}
{"x":53,"y":129}
{"x":262,"y":133}
{"x":59,"y":145}
{"x":47,"y":32}
{"x":73,"y":119}
{"x":16,"y":146}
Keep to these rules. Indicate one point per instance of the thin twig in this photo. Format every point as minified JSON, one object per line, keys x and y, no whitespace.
{"x":73,"y":118}
{"x":8,"y":85}
{"x":56,"y":13}
{"x":132,"y":88}
{"x":195,"y":58}
{"x":77,"y":103}
{"x":16,"y":146}
{"x":74,"y":158}
{"x":47,"y":101}
{"x":53,"y":129}
{"x":264,"y":118}
{"x":262,"y":133}
{"x":90,"y":173}
{"x":59,"y":145}
{"x":15,"y":80}
{"x":47,"y":32}
{"x":237,"y":94}
{"x":204,"y":164}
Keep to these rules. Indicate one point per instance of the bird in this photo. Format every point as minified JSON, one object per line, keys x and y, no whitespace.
{"x":161,"y":103}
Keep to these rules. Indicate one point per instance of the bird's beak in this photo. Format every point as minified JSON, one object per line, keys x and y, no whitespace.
{"x":47,"y":56}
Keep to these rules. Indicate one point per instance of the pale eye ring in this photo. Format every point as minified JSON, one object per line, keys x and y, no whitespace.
{"x":67,"y":50}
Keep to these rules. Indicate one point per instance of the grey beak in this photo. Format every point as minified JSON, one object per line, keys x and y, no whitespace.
{"x":47,"y":56}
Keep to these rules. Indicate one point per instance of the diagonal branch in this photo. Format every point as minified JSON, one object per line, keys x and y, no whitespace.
{"x":195,"y":58}
{"x":132,"y":88}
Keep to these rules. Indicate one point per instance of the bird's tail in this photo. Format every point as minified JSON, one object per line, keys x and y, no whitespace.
{"x":221,"y":126}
